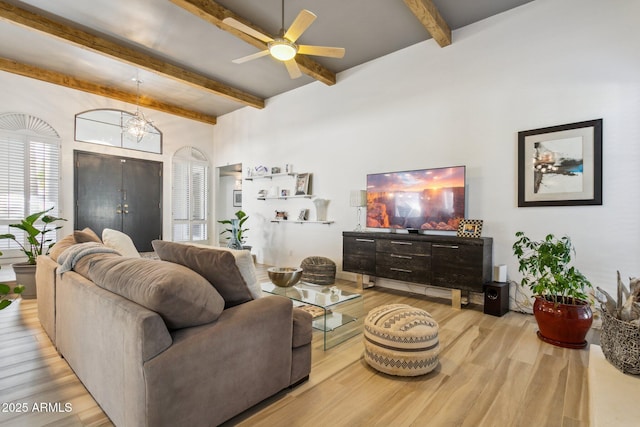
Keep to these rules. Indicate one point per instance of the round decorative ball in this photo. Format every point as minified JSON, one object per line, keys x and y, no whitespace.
{"x":285,"y":277}
{"x":401,"y":340}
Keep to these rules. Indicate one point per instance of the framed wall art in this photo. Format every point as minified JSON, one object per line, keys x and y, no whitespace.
{"x":560,"y":165}
{"x":302,"y":184}
{"x":237,"y":198}
{"x":470,"y":228}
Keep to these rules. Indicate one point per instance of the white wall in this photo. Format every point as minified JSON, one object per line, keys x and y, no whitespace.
{"x":58,"y":106}
{"x":546,"y":63}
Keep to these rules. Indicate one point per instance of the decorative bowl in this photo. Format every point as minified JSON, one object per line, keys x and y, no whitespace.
{"x":285,"y":277}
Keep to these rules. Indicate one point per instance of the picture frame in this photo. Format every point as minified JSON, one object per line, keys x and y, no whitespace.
{"x":302,"y":215}
{"x":284,"y":193}
{"x":470,"y":228}
{"x":560,"y":165}
{"x":237,"y":198}
{"x":302,"y":184}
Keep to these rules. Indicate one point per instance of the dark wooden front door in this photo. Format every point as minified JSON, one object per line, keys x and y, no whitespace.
{"x":120,"y":193}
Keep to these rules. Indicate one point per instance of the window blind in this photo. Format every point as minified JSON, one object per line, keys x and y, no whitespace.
{"x":189,"y":195}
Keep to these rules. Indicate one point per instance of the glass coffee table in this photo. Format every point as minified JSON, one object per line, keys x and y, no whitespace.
{"x":336,"y":312}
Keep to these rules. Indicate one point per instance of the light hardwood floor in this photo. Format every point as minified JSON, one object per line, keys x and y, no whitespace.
{"x":493,"y":372}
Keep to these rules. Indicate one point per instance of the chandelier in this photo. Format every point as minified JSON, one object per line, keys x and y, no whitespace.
{"x":137,"y":126}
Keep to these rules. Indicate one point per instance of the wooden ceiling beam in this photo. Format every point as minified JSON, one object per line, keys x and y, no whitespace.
{"x":124,"y":53}
{"x":214,"y":13}
{"x":427,"y":13}
{"x":60,"y":79}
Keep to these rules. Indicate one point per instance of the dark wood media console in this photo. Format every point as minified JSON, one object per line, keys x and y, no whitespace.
{"x":458,"y":263}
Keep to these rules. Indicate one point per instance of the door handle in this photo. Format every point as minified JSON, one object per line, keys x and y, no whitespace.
{"x":126,"y":208}
{"x":119,"y":209}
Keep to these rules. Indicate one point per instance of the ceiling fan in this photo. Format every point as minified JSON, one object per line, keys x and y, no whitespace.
{"x":284,"y":47}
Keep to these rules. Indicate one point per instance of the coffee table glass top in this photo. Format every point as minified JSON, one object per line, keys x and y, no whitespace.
{"x":320,"y":296}
{"x":338,"y":313}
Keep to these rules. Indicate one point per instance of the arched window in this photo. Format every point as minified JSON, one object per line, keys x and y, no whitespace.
{"x":29,"y":172}
{"x":189,"y":195}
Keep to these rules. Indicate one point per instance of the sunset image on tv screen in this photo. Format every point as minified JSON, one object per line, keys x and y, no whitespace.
{"x":427,"y":199}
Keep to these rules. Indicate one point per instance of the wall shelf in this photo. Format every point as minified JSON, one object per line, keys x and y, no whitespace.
{"x":302,"y":222}
{"x":302,"y":196}
{"x":270,"y":176}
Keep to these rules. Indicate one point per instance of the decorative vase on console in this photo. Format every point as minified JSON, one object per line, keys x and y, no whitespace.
{"x":321,"y":208}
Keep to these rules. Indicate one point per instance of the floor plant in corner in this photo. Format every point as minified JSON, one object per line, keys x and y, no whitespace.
{"x":562,"y":307}
{"x":36,"y":228}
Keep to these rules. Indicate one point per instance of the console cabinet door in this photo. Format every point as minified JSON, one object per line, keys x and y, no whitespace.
{"x":457,"y":266}
{"x":359,"y":255}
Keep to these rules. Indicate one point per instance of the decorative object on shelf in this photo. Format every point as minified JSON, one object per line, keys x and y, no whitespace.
{"x":288,"y":168}
{"x":284,"y":193}
{"x":37,"y":244}
{"x":281,"y":215}
{"x":358,"y":200}
{"x":470,"y":228}
{"x":561,"y":306}
{"x":262,"y":194}
{"x":275,"y":170}
{"x":302,"y":216}
{"x":321,"y":208}
{"x":237,"y":198}
{"x":284,"y":277}
{"x":620,"y":335}
{"x":560,"y":165}
{"x":302,"y":184}
{"x":260,"y":170}
{"x":237,"y":237}
{"x":136,"y":127}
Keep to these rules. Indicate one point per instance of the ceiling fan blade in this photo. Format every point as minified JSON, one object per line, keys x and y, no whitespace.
{"x":332,"y":52}
{"x":293,"y":69}
{"x":250,"y":57}
{"x":304,"y":19}
{"x":234,"y":23}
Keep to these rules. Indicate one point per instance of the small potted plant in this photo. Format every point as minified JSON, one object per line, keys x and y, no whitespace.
{"x":561,"y":308}
{"x":237,"y":232}
{"x":38,"y":243}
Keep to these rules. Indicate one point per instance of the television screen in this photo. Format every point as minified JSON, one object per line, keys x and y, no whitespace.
{"x":426,"y":199}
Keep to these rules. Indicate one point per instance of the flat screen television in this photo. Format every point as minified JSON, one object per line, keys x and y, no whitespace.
{"x":424,"y":199}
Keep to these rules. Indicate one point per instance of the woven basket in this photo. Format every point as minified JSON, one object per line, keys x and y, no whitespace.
{"x":620,"y":342}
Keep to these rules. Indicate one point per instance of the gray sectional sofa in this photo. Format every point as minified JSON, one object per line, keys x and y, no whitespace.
{"x":160,"y":343}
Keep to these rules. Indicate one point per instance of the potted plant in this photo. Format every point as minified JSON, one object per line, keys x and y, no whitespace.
{"x":561,"y":308}
{"x":237,"y":236}
{"x":38,"y":243}
{"x":5,"y":291}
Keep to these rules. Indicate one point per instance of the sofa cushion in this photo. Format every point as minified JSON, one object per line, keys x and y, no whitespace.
{"x":302,"y":328}
{"x":120,"y":242}
{"x":218,"y":267}
{"x":244,"y":261}
{"x":180,"y":296}
{"x":84,"y":236}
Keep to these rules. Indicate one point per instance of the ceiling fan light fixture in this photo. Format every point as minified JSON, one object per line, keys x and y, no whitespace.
{"x":282,"y":49}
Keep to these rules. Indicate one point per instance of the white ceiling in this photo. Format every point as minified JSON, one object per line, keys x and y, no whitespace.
{"x":368,"y":29}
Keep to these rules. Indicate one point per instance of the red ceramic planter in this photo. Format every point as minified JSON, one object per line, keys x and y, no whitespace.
{"x":563,"y":325}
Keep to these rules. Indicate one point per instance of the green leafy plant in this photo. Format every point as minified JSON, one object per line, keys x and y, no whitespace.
{"x":5,"y":290}
{"x":236,"y":224}
{"x":546,"y":270}
{"x":37,"y":241}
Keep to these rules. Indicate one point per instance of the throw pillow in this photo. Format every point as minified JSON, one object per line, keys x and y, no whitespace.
{"x":61,"y":246}
{"x":244,"y":261}
{"x":86,"y":235}
{"x":218,"y":267}
{"x":180,"y":296}
{"x":119,"y":241}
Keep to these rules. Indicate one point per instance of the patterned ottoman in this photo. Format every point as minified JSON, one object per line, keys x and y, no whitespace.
{"x":401,"y":340}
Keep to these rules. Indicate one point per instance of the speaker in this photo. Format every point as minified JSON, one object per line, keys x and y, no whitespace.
{"x":496,"y":298}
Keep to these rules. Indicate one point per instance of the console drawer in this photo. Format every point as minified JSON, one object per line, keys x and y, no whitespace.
{"x":399,"y":246}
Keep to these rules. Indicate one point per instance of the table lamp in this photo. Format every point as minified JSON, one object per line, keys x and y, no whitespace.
{"x":358,"y":200}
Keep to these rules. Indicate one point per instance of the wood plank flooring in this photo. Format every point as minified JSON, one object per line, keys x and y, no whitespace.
{"x":493,"y":372}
